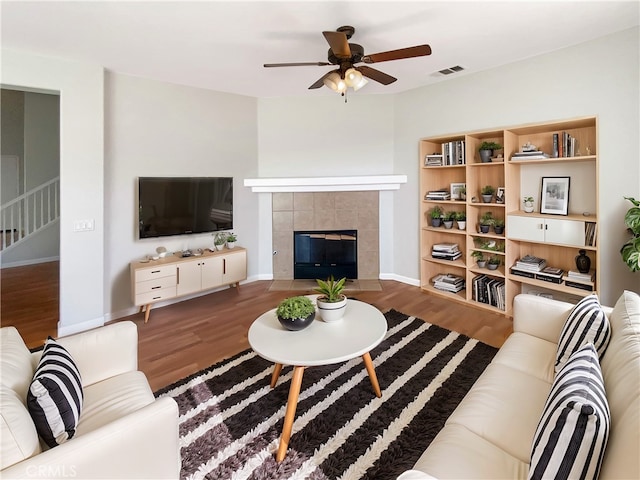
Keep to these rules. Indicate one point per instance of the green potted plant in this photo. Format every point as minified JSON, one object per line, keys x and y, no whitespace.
{"x":487,"y":193}
{"x":448,"y":218}
{"x":630,"y":251}
{"x":498,"y":226}
{"x":486,"y":220}
{"x":480,"y":260}
{"x":436,"y":216}
{"x":296,"y":313}
{"x":232,"y":238}
{"x":486,"y":150}
{"x":219,"y":240}
{"x":331,"y":302}
{"x":494,"y":262}
{"x":528,"y":204}
{"x":462,"y":190}
{"x":461,"y":220}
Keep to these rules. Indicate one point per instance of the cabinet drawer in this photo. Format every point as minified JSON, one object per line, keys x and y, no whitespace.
{"x":155,"y":284}
{"x":156,"y":295}
{"x":144,"y":274}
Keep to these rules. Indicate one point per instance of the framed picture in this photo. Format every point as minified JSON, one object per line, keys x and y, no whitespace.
{"x":554,"y":195}
{"x":500,"y":195}
{"x":458,"y":191}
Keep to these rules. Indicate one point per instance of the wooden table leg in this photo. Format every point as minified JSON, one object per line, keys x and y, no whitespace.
{"x":277,"y":368}
{"x":368,"y":363}
{"x":292,"y":403}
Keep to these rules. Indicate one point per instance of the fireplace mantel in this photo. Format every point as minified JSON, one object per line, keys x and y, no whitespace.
{"x":326,"y":184}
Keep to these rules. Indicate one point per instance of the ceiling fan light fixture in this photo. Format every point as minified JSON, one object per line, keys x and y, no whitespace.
{"x":363,"y":81}
{"x":334,"y":82}
{"x":352,"y":77}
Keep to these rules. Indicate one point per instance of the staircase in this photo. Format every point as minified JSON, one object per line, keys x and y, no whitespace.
{"x":29,"y":213}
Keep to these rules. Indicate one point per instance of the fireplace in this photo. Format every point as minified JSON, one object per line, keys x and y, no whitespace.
{"x":320,"y":254}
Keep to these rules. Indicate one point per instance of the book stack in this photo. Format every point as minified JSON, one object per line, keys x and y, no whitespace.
{"x":583,"y":281}
{"x":446,"y":251}
{"x":529,"y":155}
{"x":438,"y":195}
{"x":550,"y":274}
{"x":434,"y":160}
{"x":453,"y":153}
{"x":590,"y":230}
{"x":489,"y":290}
{"x":448,"y":282}
{"x":528,"y":266}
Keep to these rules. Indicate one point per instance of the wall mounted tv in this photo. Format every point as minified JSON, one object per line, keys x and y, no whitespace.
{"x":184,"y":205}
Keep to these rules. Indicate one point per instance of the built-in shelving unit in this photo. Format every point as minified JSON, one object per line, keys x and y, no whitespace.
{"x":556,"y":238}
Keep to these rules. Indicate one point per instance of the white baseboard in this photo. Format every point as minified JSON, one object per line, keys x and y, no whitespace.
{"x":399,"y":278}
{"x":65,"y":330}
{"x":33,"y":261}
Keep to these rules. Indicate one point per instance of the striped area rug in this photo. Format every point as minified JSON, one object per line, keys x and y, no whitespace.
{"x":230,"y":420}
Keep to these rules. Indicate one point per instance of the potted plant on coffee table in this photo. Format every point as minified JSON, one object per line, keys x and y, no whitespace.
{"x":331,"y":302}
{"x":296,"y":313}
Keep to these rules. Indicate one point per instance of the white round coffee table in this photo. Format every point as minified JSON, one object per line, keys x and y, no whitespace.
{"x":362,"y":328}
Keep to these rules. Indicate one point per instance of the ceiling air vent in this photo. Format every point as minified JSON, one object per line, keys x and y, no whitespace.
{"x":450,"y":70}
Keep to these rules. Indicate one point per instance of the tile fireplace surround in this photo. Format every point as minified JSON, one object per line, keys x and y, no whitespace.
{"x":326,"y":211}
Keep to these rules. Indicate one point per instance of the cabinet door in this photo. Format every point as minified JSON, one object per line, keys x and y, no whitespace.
{"x":568,"y":232}
{"x":211,"y":272}
{"x":525,"y":228}
{"x":234,"y":267}
{"x":189,"y":277}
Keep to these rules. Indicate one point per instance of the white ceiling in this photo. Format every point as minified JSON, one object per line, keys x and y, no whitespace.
{"x":222,"y":45}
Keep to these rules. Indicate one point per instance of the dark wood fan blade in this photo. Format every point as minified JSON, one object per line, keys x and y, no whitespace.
{"x":297,"y":64}
{"x":376,"y":75}
{"x":320,"y":82}
{"x":417,"y":51}
{"x":338,"y":43}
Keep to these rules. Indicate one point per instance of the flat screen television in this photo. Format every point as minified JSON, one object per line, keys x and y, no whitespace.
{"x":184,"y":205}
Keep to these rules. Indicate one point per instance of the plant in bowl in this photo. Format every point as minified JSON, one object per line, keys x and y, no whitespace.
{"x":232,"y":238}
{"x":486,"y":220}
{"x":331,"y":302}
{"x":630,"y":251}
{"x":436,"y":215}
{"x":494,"y":262}
{"x":480,"y":260}
{"x":498,"y":226}
{"x":296,"y":313}
{"x":486,"y":150}
{"x":487,"y":193}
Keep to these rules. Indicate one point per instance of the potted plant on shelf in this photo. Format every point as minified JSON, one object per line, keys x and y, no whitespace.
{"x":436,"y":216}
{"x":463,"y":192}
{"x":296,"y":313}
{"x":486,"y":150}
{"x":219,"y":240}
{"x":480,"y":260}
{"x":528,"y":204}
{"x":486,"y":220}
{"x":498,"y":226}
{"x":331,"y":302}
{"x":487,"y":193}
{"x":494,"y":262}
{"x":448,"y":218}
{"x":231,"y":240}
{"x":630,"y":251}
{"x":461,"y":220}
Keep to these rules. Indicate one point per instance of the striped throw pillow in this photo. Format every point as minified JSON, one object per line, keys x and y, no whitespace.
{"x":55,"y":395}
{"x":586,"y":323}
{"x":574,"y":427}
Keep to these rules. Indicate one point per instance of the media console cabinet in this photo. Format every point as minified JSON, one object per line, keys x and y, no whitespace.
{"x":175,"y":276}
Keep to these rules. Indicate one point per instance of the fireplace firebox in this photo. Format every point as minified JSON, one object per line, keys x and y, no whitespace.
{"x":320,"y":254}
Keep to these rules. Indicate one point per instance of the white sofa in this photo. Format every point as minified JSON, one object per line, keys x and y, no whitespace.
{"x":490,"y":433}
{"x":123,"y":432}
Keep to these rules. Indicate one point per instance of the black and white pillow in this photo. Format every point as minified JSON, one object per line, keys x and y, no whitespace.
{"x":55,"y":395}
{"x":574,"y":427}
{"x":586,"y":323}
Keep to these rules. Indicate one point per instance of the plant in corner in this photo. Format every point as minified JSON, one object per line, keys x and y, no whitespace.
{"x":486,"y":150}
{"x":296,"y":313}
{"x":331,"y":302}
{"x":630,"y":251}
{"x":487,"y":193}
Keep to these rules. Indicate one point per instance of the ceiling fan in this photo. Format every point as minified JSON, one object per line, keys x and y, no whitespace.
{"x":346,"y":55}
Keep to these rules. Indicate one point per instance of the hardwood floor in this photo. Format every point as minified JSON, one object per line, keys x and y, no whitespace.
{"x":185,"y":337}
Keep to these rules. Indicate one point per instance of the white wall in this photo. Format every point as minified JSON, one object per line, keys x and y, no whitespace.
{"x":159,"y":129}
{"x":600,"y":78}
{"x":80,"y":86}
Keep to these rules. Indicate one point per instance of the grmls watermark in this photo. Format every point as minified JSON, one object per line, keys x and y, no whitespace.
{"x":52,"y":471}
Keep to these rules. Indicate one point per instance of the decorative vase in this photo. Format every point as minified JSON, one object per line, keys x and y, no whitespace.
{"x":331,"y":312}
{"x":295,"y":324}
{"x":583,"y":263}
